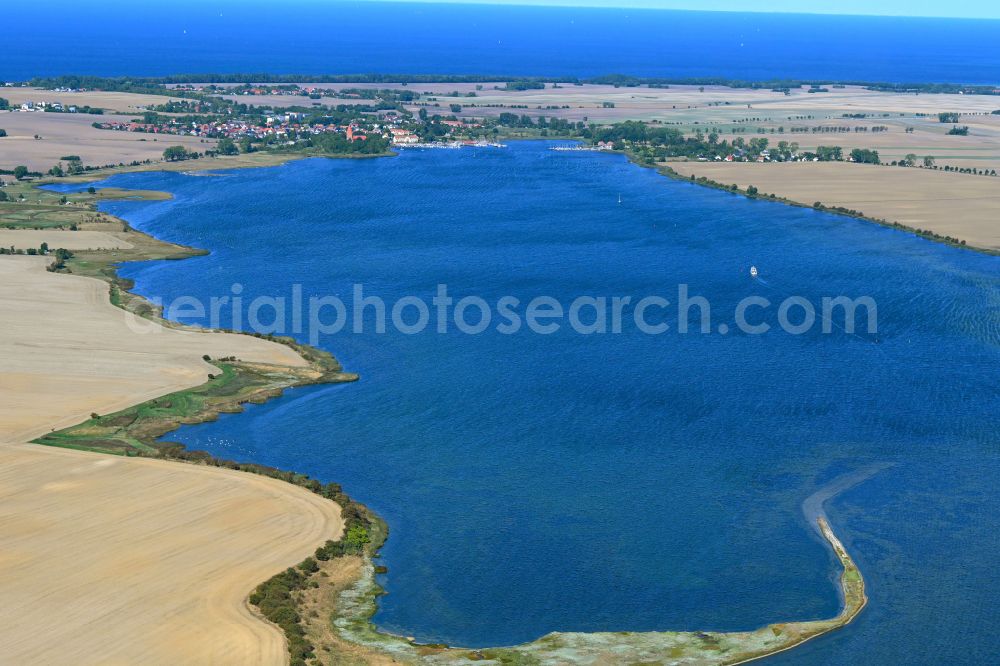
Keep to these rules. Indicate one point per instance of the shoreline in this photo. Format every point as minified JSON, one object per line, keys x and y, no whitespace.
{"x":841,"y":552}
{"x":159,"y":550}
{"x":926,"y":234}
{"x":201,"y":165}
{"x":134,"y":430}
{"x":275,"y":158}
{"x":665,"y":169}
{"x":356,"y":603}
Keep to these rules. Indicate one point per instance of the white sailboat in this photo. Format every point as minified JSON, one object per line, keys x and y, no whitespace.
{"x":753,"y":271}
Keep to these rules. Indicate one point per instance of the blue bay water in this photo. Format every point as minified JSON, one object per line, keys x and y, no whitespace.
{"x":620,"y":482}
{"x":113,"y":37}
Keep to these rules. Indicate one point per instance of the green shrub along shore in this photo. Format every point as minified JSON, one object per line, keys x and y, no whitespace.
{"x":364,"y":534}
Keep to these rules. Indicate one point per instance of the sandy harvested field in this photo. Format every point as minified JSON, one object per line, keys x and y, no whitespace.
{"x":23,"y":239}
{"x":110,"y":101}
{"x":950,"y":204}
{"x":65,"y":351}
{"x":714,"y":103}
{"x":765,"y":113}
{"x":111,"y":560}
{"x":725,"y":109}
{"x":419,"y":87}
{"x":282,"y":101}
{"x":750,"y":112}
{"x":64,"y":134}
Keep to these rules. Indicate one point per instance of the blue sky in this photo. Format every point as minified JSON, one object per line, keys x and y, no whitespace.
{"x":954,"y":8}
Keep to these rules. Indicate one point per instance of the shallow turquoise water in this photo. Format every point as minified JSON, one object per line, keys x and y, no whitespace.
{"x":620,"y":482}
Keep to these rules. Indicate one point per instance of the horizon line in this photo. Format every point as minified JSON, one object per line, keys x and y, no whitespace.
{"x":650,"y":5}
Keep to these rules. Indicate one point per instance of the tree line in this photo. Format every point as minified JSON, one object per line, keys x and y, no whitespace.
{"x":157,"y":85}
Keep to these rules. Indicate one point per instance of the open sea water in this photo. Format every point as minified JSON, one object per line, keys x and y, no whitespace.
{"x":119,"y":37}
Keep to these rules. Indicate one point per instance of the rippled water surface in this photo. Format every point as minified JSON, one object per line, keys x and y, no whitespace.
{"x":307,"y":37}
{"x":620,"y":482}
